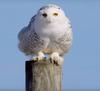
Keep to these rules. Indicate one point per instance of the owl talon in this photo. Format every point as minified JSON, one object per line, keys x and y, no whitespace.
{"x":51,"y":61}
{"x":56,"y":59}
{"x":41,"y":56}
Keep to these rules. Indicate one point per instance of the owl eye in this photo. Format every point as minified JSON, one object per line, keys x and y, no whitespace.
{"x":55,"y":14}
{"x":44,"y":15}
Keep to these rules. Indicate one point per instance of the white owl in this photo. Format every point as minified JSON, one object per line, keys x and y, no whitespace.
{"x":48,"y":32}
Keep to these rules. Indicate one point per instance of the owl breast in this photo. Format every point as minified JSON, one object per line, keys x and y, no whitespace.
{"x":51,"y":31}
{"x":60,"y":44}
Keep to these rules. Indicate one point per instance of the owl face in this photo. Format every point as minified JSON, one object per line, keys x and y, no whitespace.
{"x":51,"y":14}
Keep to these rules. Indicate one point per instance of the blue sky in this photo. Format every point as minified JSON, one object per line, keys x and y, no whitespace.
{"x":81,"y":69}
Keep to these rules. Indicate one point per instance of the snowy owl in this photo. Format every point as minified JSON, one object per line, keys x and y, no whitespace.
{"x":49,"y":33}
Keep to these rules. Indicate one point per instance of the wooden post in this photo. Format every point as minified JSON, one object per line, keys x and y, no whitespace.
{"x":43,"y":76}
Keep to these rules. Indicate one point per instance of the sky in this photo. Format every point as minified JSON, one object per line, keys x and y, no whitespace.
{"x":81,"y":69}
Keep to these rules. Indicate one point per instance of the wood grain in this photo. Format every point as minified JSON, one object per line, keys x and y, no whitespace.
{"x":43,"y":76}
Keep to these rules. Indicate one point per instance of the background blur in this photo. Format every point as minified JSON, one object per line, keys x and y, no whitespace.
{"x":81,"y":69}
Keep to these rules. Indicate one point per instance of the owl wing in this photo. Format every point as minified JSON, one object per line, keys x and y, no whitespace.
{"x":29,"y":41}
{"x":65,"y":41}
{"x":25,"y":29}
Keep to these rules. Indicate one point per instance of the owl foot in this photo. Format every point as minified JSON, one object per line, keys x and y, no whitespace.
{"x":56,"y":59}
{"x":39,"y":57}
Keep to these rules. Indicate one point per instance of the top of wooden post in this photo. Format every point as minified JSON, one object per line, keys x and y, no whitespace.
{"x":43,"y":76}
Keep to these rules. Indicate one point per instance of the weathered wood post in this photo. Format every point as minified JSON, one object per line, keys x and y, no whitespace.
{"x":43,"y":76}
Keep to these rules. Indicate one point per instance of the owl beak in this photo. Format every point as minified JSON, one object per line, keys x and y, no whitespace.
{"x":49,"y":20}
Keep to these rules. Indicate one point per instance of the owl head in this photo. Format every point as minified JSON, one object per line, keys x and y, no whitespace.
{"x":50,"y":14}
